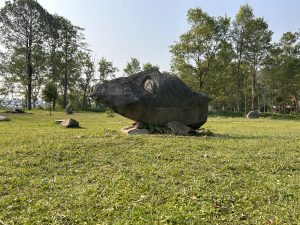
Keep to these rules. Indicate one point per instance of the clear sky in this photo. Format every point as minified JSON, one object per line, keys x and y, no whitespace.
{"x":120,"y":29}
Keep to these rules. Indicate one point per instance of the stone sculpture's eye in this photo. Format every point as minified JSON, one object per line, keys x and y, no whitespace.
{"x":149,"y":86}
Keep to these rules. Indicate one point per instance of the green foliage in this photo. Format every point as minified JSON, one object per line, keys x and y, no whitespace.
{"x":87,"y":71}
{"x":247,"y":173}
{"x":194,"y":54}
{"x":258,"y":44}
{"x":132,"y":67}
{"x":292,"y":116}
{"x":235,"y":63}
{"x":106,"y":70}
{"x":225,"y":114}
{"x":148,"y":66}
{"x":40,"y":47}
{"x":71,"y":42}
{"x":49,"y":92}
{"x":109,"y":113}
{"x":22,"y":30}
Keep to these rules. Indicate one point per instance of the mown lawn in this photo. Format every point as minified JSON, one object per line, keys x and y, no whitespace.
{"x":248,"y":173}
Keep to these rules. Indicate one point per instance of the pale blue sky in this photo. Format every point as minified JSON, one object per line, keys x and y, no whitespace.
{"x":120,"y":29}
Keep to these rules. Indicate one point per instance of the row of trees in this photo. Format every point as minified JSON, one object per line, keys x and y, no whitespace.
{"x":41,"y":50}
{"x":236,"y":62}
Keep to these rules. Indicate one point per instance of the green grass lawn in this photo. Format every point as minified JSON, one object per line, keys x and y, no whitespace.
{"x":248,"y":173}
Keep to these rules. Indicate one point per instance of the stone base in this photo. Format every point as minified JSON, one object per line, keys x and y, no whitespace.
{"x":134,"y":131}
{"x":173,"y":128}
{"x":180,"y":129}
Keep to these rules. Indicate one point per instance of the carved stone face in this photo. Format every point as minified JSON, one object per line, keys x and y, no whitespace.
{"x":115,"y":94}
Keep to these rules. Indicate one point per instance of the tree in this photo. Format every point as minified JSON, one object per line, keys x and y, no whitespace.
{"x":106,"y":70}
{"x":132,"y":67}
{"x":87,"y":73}
{"x":54,"y":51}
{"x":148,"y":66}
{"x":258,"y":44}
{"x":49,"y":93}
{"x":7,"y":81}
{"x":194,"y":54}
{"x":269,"y":74}
{"x":22,"y":26}
{"x":39,"y":75}
{"x":238,"y":37}
{"x":15,"y":71}
{"x":71,"y":42}
{"x":288,"y":75}
{"x":221,"y":83}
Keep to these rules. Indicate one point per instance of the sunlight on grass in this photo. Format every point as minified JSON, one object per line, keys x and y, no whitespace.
{"x":247,"y":173}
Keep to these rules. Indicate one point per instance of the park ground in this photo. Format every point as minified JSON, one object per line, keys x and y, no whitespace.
{"x":247,"y":173}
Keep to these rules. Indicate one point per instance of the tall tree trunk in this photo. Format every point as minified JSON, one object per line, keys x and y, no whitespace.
{"x":65,"y":80}
{"x":245,"y":96}
{"x":238,"y":103}
{"x":272,"y":91}
{"x":65,"y":90}
{"x":29,"y":87}
{"x":54,"y":104}
{"x":53,"y":79}
{"x":29,"y":74}
{"x":254,"y":100}
{"x":238,"y":85}
{"x":84,"y":102}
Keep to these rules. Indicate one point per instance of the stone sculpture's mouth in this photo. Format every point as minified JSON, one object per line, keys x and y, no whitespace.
{"x":115,"y":94}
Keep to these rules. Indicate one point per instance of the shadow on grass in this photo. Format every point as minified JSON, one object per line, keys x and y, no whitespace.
{"x":244,"y":137}
{"x":74,"y":128}
{"x":213,"y":137}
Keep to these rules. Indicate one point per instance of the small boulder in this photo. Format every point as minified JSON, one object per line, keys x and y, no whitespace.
{"x":70,"y":123}
{"x":139,"y":125}
{"x":16,"y":110}
{"x":253,"y":114}
{"x":134,"y":131}
{"x":180,"y":129}
{"x":19,"y":110}
{"x":3,"y":118}
{"x":59,"y":121}
{"x":69,"y":109}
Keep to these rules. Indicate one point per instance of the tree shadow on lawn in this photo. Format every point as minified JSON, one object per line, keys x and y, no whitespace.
{"x":215,"y":136}
{"x":244,"y":137}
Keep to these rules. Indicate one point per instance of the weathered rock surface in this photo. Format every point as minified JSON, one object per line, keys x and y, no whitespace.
{"x":253,"y":114}
{"x":134,"y":131}
{"x":180,"y":129}
{"x":153,"y":98}
{"x":69,"y":109}
{"x":70,"y":123}
{"x":59,"y":121}
{"x":16,"y":110}
{"x":139,"y":125}
{"x":3,"y":118}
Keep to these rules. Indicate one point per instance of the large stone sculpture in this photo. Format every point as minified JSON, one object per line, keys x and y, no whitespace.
{"x":153,"y":98}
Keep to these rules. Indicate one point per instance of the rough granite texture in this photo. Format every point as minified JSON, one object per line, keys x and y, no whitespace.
{"x":153,"y":98}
